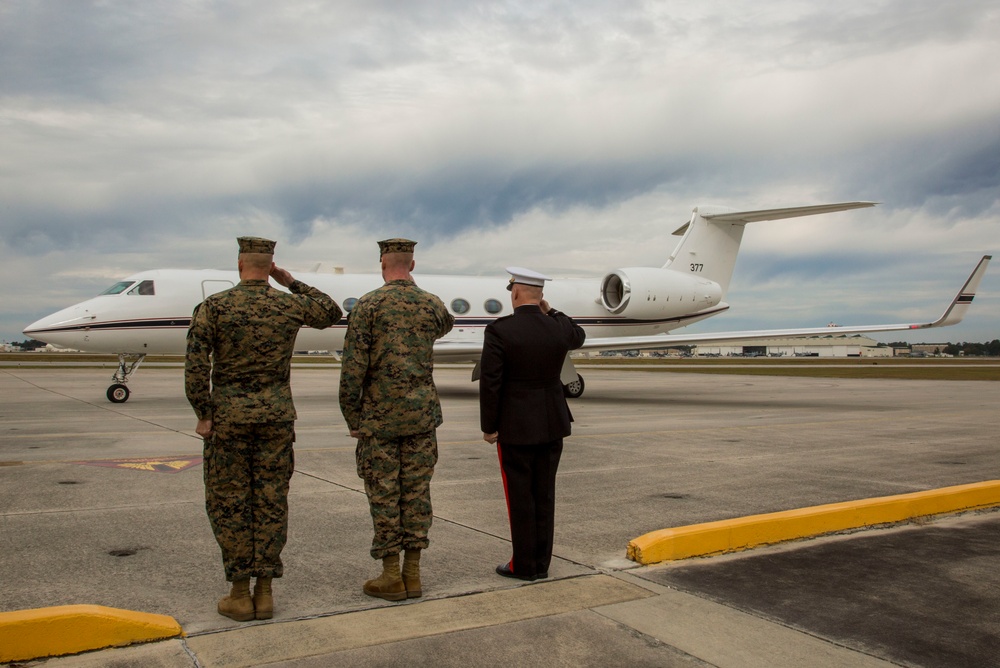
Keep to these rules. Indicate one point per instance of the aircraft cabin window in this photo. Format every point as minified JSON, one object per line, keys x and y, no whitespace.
{"x":118,"y":288}
{"x":144,"y":288}
{"x":460,"y":306}
{"x":349,"y":304}
{"x":493,"y":306}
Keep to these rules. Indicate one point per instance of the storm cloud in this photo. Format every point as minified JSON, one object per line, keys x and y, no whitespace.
{"x":570,"y":136}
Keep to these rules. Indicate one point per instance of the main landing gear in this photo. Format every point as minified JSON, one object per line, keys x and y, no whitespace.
{"x":574,"y":388}
{"x":119,"y":393}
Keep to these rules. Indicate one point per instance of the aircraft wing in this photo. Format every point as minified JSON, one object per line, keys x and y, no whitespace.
{"x":457,"y":351}
{"x":952,"y":315}
{"x":466,"y":351}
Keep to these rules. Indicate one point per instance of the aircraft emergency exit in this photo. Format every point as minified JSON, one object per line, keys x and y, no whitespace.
{"x":627,"y":309}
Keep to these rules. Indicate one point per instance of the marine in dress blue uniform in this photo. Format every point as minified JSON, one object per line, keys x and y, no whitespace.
{"x":523,"y":410}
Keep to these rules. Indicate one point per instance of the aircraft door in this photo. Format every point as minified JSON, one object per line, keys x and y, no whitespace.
{"x":211,"y":287}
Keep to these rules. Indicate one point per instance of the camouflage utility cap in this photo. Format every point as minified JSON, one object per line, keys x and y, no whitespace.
{"x":256,"y":245}
{"x":396,"y":246}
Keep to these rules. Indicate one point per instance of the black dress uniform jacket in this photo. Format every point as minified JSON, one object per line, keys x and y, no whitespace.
{"x":521,"y":397}
{"x":520,"y":393}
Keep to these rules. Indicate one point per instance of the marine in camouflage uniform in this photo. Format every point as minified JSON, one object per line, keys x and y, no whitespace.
{"x":237,"y":370}
{"x":390,"y":403}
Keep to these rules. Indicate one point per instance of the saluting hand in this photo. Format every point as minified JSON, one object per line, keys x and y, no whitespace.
{"x":544,"y":305}
{"x":281,"y":275}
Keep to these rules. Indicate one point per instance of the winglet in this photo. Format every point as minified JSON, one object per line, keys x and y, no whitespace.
{"x":960,"y":304}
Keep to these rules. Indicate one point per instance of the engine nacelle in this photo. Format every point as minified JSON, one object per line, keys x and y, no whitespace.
{"x":648,"y":293}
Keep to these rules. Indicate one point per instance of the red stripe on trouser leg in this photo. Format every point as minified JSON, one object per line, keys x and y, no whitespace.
{"x":506,"y":498}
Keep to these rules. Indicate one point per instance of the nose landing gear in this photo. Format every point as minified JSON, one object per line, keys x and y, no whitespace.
{"x":119,"y":393}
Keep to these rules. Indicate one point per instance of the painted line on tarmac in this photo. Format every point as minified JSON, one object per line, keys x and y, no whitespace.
{"x":70,"y":629}
{"x":151,"y":464}
{"x":744,"y":533}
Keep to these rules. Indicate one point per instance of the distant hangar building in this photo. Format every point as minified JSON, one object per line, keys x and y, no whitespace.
{"x":815,"y":346}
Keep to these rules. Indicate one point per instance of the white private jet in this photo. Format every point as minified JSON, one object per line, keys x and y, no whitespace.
{"x":627,"y":309}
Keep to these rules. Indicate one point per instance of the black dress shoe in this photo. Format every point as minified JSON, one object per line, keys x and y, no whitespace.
{"x":542,"y":576}
{"x":504,"y":570}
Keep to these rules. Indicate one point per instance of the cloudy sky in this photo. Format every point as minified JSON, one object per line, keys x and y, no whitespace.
{"x":572,"y":137}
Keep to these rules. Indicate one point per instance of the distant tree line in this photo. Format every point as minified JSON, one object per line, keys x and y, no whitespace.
{"x":29,"y":344}
{"x":991,"y":349}
{"x":965,"y":349}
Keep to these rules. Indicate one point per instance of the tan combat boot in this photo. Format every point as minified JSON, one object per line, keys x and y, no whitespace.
{"x":388,"y":585}
{"x":411,"y":573}
{"x":238,"y":605}
{"x":263,"y":603}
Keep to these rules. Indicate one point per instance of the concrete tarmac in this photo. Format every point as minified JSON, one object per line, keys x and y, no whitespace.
{"x":650,"y":450}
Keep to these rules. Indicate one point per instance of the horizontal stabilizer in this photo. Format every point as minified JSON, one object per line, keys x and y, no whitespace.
{"x":790,"y":212}
{"x":775,"y":214}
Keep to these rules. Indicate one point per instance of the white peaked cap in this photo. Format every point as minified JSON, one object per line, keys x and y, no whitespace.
{"x":526,"y":277}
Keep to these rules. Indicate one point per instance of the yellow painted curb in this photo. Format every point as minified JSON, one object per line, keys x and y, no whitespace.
{"x":70,"y":629}
{"x":743,"y":533}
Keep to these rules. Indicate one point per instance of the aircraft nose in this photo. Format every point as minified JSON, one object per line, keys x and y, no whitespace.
{"x":60,"y":321}
{"x":35,"y":331}
{"x":37,"y":326}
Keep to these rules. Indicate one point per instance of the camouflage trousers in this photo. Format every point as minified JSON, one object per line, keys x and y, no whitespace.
{"x":397,"y":474}
{"x":247,"y":471}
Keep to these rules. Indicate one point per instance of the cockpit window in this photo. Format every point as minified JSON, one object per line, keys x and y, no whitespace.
{"x":144,"y":288}
{"x":118,"y":288}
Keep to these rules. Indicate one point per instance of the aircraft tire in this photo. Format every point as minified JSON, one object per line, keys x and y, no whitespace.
{"x":118,"y":393}
{"x":574,"y":390}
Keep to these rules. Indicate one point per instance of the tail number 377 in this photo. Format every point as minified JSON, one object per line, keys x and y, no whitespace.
{"x":697,"y":267}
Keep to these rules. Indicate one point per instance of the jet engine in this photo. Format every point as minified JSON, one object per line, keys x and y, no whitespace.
{"x":648,"y":293}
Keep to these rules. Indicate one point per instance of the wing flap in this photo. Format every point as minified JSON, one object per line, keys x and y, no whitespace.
{"x":457,"y":351}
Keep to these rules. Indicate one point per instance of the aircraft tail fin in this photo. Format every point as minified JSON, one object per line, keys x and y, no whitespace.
{"x":711,"y":239}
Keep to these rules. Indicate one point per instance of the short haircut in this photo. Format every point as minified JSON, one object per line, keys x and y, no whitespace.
{"x":398,"y":260}
{"x":257,"y":261}
{"x":531,"y":291}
